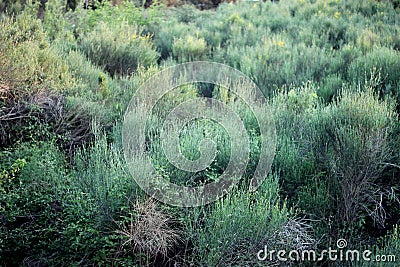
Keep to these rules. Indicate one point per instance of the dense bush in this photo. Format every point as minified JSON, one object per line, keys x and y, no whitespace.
{"x":27,"y":60}
{"x":330,"y":71}
{"x":189,"y":49}
{"x":381,"y":60}
{"x":33,"y":81}
{"x":333,"y":159}
{"x":119,"y":50}
{"x":30,"y":201}
{"x":242,"y":224}
{"x":86,"y":214}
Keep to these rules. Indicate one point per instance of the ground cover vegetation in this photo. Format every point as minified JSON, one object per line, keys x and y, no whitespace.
{"x":330,"y":70}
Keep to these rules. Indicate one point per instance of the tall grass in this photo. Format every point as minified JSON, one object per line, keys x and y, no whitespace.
{"x":330,"y":71}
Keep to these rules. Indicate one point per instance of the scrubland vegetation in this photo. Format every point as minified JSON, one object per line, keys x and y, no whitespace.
{"x":329,"y":69}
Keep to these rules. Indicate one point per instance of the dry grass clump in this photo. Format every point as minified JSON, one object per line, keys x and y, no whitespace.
{"x":295,"y":234}
{"x":148,"y":230}
{"x":35,"y":114}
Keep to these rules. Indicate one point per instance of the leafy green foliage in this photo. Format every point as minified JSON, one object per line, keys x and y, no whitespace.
{"x":27,"y":61}
{"x":238,"y":226}
{"x":119,"y":50}
{"x":190,"y":48}
{"x":329,"y":68}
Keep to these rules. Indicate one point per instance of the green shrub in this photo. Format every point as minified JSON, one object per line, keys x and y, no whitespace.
{"x":120,"y":50}
{"x":354,"y":146}
{"x":330,"y":87}
{"x":190,"y":48}
{"x":55,"y":23}
{"x":295,"y":166}
{"x":12,"y":7}
{"x":33,"y":77}
{"x":367,"y":40}
{"x":330,"y":27}
{"x":30,"y":201}
{"x":190,"y":138}
{"x":290,"y":102}
{"x":100,"y":172}
{"x":88,"y":77}
{"x":185,"y":13}
{"x":195,"y":131}
{"x":97,"y":93}
{"x":335,"y":161}
{"x":273,"y":63}
{"x":164,"y":37}
{"x":241,"y":224}
{"x":26,"y":59}
{"x":51,"y":215}
{"x":323,"y":151}
{"x":381,"y":60}
{"x":293,"y":110}
{"x":83,"y":21}
{"x":345,"y":56}
{"x":125,"y":12}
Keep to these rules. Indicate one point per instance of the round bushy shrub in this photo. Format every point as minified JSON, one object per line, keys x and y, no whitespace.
{"x":383,"y":61}
{"x":120,"y":50}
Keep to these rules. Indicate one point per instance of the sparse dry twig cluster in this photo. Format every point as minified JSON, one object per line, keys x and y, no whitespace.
{"x":149,"y":230}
